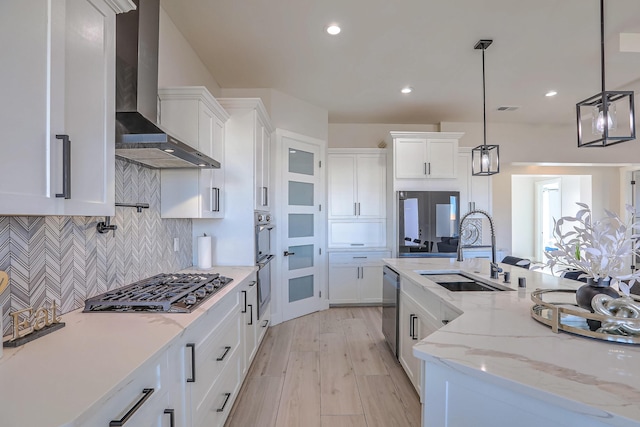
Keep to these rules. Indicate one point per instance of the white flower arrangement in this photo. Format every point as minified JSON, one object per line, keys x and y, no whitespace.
{"x":601,"y":249}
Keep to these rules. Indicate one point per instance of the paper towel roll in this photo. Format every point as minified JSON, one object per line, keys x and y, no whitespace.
{"x":204,"y":252}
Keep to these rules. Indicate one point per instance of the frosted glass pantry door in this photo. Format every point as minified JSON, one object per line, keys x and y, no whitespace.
{"x":302,"y":236}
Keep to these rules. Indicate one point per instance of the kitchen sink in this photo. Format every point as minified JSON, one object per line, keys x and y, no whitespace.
{"x":458,"y":282}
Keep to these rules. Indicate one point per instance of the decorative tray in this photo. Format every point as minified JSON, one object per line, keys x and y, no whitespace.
{"x":558,"y":309}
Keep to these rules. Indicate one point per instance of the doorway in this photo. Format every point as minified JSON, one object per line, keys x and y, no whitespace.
{"x":548,"y":209}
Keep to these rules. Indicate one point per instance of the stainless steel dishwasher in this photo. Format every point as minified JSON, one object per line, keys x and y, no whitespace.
{"x":390,"y":297}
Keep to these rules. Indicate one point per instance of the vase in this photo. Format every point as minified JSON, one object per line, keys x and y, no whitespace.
{"x":585,"y":294}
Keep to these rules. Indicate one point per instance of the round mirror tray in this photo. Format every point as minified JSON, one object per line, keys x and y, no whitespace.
{"x":558,"y":309}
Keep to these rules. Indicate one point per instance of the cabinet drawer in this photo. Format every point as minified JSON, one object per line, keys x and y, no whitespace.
{"x":213,"y":354}
{"x":357,"y":234}
{"x":359,"y":258}
{"x":213,"y":409}
{"x":152,"y":375}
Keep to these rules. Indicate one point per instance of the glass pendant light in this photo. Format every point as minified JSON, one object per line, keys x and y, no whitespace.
{"x":611,"y":113}
{"x":485,"y":159}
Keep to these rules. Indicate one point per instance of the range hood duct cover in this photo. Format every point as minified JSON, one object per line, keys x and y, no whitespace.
{"x":138,"y":137}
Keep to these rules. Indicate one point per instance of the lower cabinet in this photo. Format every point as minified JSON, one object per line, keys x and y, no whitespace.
{"x":421,"y":314}
{"x":356,"y":277}
{"x":249,"y":302}
{"x":144,"y":401}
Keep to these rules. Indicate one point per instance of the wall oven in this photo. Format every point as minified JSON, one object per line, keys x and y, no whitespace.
{"x":263,"y":258}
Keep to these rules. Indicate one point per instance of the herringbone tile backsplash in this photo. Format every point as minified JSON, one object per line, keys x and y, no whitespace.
{"x":65,"y":259}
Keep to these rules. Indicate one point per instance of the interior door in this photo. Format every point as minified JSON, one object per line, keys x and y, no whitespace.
{"x":303,"y":232}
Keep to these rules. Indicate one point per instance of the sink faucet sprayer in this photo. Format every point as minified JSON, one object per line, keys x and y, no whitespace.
{"x":494,"y":265}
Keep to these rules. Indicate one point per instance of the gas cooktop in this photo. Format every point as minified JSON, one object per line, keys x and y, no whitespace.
{"x":168,"y":293}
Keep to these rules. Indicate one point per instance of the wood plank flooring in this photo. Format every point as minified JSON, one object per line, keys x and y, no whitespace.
{"x":328,"y":369}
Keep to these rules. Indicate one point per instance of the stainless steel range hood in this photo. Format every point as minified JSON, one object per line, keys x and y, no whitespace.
{"x":138,"y":137}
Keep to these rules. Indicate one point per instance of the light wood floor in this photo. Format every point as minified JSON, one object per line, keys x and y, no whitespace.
{"x":331,"y":368}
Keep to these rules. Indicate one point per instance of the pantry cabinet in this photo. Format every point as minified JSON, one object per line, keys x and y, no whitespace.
{"x":57,"y":110}
{"x":195,"y":116}
{"x":357,"y":184}
{"x":357,"y":198}
{"x":356,"y":277}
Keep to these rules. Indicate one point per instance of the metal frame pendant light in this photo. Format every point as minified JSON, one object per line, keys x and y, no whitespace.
{"x":602,"y":118}
{"x":485,"y":159}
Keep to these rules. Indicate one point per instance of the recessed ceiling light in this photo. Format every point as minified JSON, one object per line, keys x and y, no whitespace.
{"x":333,"y":29}
{"x":551,"y":93}
{"x":406,"y":89}
{"x":168,"y":150}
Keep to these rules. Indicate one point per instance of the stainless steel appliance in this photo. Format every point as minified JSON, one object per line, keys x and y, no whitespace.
{"x":169,"y":293}
{"x":138,"y":137}
{"x":263,"y":258}
{"x":428,"y":223}
{"x":390,"y":309}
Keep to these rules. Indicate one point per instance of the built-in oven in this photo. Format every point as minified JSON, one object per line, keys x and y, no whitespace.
{"x":264,"y":256}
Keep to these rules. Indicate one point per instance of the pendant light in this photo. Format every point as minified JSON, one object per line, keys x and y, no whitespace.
{"x":608,"y":117}
{"x":484,"y":158}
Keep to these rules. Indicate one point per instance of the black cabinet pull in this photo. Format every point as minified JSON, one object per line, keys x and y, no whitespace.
{"x":226,"y":350}
{"x":287,"y":253}
{"x":266,"y":322}
{"x":172,"y":419}
{"x":192,"y":346}
{"x":66,"y":166}
{"x":252,"y":284}
{"x":251,"y":314}
{"x":215,"y":199}
{"x":146,"y":393}
{"x":244,"y":310}
{"x":444,"y":322}
{"x":411,"y":316}
{"x":414,"y":335}
{"x":226,"y":399}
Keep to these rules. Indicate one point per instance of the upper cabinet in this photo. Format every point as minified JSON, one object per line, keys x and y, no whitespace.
{"x":419,"y":157}
{"x":194,"y":115}
{"x":58,"y":102}
{"x":357,"y":185}
{"x":250,"y":128}
{"x":357,"y":192}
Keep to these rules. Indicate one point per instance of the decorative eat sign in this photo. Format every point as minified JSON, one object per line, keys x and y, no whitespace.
{"x":30,"y":323}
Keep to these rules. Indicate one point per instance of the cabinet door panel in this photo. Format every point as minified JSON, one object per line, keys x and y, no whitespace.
{"x":371,"y":192}
{"x":442,"y":158}
{"x":370,"y":284}
{"x":342,"y":186}
{"x":343,"y":283}
{"x":411,"y":158}
{"x":357,"y":234}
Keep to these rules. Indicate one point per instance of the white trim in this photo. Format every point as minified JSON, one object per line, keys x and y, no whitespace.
{"x":249,"y":104}
{"x":120,"y":6}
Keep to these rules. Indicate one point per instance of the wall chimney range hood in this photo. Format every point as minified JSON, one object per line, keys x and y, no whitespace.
{"x":138,"y":137}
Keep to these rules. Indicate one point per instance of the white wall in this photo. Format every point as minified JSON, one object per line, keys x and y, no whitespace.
{"x":178,"y":63}
{"x":287,"y":112}
{"x":523,"y":215}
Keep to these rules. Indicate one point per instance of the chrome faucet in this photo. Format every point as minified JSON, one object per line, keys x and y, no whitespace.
{"x":494,"y":265}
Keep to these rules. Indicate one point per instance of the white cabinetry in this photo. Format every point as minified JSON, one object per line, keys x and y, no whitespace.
{"x":234,"y":242}
{"x":211,"y":361}
{"x":356,"y":277}
{"x":249,"y":301}
{"x":421,"y":313}
{"x":357,"y":198}
{"x":193,"y":114}
{"x":262,"y":161}
{"x":357,"y":185}
{"x":144,"y":401}
{"x":421,"y":156}
{"x":59,"y":85}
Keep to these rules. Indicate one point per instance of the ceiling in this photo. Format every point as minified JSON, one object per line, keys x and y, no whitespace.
{"x":539,"y":45}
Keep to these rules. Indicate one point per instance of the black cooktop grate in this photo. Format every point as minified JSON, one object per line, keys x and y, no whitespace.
{"x":171,"y":293}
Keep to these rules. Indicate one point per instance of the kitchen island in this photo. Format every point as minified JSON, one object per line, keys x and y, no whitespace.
{"x":496,"y":366}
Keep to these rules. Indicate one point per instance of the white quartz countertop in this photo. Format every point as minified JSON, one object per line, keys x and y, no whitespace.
{"x":54,"y":379}
{"x":497,"y":339}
